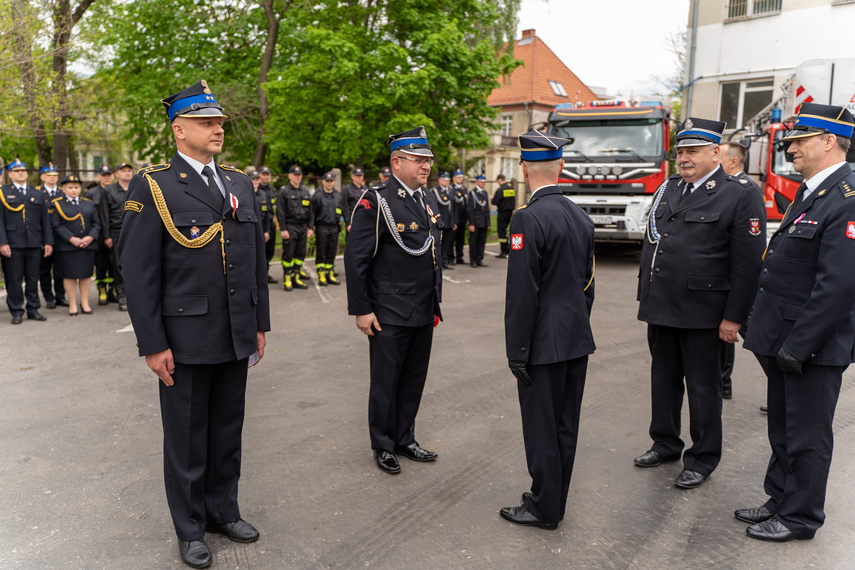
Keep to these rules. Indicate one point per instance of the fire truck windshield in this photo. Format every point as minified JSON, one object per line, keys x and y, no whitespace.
{"x":603,"y":137}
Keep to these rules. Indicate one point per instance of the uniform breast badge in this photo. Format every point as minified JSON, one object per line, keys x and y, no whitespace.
{"x":432,"y":216}
{"x":414,"y":226}
{"x":194,"y":232}
{"x":401,"y":227}
{"x":402,"y":193}
{"x":710,"y":185}
{"x":183,"y":174}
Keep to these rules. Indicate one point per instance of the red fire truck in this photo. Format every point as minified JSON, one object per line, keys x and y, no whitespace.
{"x":618,"y":158}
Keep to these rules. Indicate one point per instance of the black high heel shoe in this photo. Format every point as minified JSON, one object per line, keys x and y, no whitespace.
{"x":74,"y":314}
{"x":89,"y":312}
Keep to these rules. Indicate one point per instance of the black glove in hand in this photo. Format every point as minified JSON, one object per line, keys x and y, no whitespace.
{"x":789,"y":363}
{"x":518,"y":367}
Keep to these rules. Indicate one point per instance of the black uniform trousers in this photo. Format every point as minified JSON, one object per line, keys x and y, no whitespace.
{"x":102,"y":262}
{"x":801,"y":412}
{"x":202,"y":421}
{"x":729,"y":356}
{"x":696,"y":355}
{"x":550,"y":408}
{"x":447,"y":245}
{"x":52,"y":287}
{"x":295,"y":246}
{"x":115,"y":263}
{"x":503,"y":220}
{"x":460,"y":239}
{"x":399,"y":363}
{"x":24,"y":265}
{"x":326,"y":243}
{"x":270,"y":247}
{"x":477,"y":241}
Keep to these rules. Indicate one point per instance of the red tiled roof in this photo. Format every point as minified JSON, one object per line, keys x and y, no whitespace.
{"x":530,"y":81}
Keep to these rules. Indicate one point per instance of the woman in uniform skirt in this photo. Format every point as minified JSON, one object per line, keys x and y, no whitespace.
{"x":75,"y":227}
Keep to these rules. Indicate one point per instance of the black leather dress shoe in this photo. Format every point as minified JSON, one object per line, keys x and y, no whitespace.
{"x":36,"y":316}
{"x":17,"y":319}
{"x":525,"y":496}
{"x":238,"y":531}
{"x":764,"y":408}
{"x":520,"y":515}
{"x":753,"y":516}
{"x":50,"y":304}
{"x":62,"y":302}
{"x":727,"y":393}
{"x":651,"y":459}
{"x":416,"y":453}
{"x":481,"y":264}
{"x":689,"y":479}
{"x":195,"y":553}
{"x":447,"y":266}
{"x":473,"y":265}
{"x":771,"y":530}
{"x":271,"y":279}
{"x":387,"y":462}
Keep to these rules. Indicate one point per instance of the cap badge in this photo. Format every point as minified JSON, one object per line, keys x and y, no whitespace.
{"x":206,"y":90}
{"x":688,"y":124}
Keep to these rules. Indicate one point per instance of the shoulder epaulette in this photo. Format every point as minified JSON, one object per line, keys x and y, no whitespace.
{"x":153,"y":168}
{"x":522,"y":207}
{"x":378,"y":186}
{"x":85,"y":198}
{"x":58,"y":198}
{"x":233,"y":169}
{"x":847,"y":189}
{"x":39,"y":188}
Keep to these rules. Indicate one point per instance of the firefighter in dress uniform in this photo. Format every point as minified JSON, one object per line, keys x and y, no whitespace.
{"x":394,"y":285}
{"x":76,"y":228}
{"x":103,"y":275}
{"x":699,"y":269}
{"x":478,"y":213}
{"x":51,"y":284}
{"x":549,"y":295}
{"x":295,"y":222}
{"x":25,"y":238}
{"x":505,"y":200}
{"x":460,"y":196}
{"x":192,"y":253}
{"x":803,"y":322}
{"x":327,"y":212}
{"x":445,"y":218}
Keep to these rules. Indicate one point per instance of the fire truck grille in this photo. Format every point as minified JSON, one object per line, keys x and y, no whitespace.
{"x":604,"y":210}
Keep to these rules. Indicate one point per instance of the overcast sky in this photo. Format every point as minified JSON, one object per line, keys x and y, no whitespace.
{"x":616,"y":44}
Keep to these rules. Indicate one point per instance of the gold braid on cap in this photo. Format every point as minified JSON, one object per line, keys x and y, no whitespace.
{"x":15,"y":209}
{"x":72,"y":218}
{"x":195,"y":243}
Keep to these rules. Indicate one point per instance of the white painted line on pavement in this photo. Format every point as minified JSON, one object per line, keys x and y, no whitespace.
{"x":129,"y":328}
{"x":450,"y":280}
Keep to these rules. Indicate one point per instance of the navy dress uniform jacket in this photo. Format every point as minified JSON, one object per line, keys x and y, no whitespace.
{"x":399,"y":288}
{"x":548,"y":300}
{"x":88,"y":224}
{"x":478,"y":208}
{"x":806,"y":302}
{"x":445,"y":207}
{"x":708,"y":260}
{"x":25,"y":221}
{"x":206,"y":307}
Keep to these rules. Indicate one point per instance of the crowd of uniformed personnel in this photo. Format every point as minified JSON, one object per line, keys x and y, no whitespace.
{"x":293,"y":211}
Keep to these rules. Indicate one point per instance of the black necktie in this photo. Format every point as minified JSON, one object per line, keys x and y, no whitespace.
{"x":686,"y":193}
{"x":800,"y":194}
{"x":22,"y":190}
{"x":212,"y":185}
{"x":418,"y":196}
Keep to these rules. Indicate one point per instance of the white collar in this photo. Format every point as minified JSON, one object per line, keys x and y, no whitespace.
{"x":198,"y":166}
{"x":818,"y":178}
{"x":407,"y":188}
{"x":698,"y":183}
{"x":540,"y":187}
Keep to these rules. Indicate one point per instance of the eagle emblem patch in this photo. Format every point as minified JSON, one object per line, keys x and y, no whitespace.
{"x":754,"y":226}
{"x":850,"y":230}
{"x":365,"y":204}
{"x":516,"y":242}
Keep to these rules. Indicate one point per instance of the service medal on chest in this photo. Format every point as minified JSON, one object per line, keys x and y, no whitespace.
{"x":400,"y":227}
{"x":194,"y":232}
{"x":414,"y":226}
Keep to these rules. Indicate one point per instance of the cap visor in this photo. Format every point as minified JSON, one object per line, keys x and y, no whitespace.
{"x":802,"y":133}
{"x":693,"y":142}
{"x":417,"y":151}
{"x":205,"y":112}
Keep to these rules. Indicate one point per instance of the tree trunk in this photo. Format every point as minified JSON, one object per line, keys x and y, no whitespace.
{"x":30,"y":84}
{"x":266,"y":63}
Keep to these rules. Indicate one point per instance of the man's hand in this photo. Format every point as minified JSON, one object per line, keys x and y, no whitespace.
{"x":727,"y":331}
{"x":260,"y":343}
{"x":348,"y":227}
{"x":266,"y":237}
{"x":285,"y":234}
{"x":108,"y":243}
{"x":789,"y":363}
{"x":518,"y":367}
{"x":454,"y":228}
{"x":48,"y":250}
{"x":6,"y":250}
{"x":309,"y":233}
{"x":365,"y":322}
{"x":162,"y":365}
{"x":472,"y":228}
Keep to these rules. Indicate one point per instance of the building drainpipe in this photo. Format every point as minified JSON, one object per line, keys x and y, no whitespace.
{"x":692,"y":49}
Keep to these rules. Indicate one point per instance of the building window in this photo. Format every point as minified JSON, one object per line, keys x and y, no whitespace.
{"x":738,"y":9}
{"x":742,"y":100}
{"x":478,"y":168}
{"x":557,"y":88}
{"x":509,"y":168}
{"x":507,"y":125}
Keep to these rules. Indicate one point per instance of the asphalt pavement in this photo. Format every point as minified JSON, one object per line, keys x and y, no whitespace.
{"x":81,"y":439}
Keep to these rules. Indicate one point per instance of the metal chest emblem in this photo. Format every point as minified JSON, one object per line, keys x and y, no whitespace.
{"x":227,"y":178}
{"x":414,"y":226}
{"x":194,"y":232}
{"x":710,"y":185}
{"x":183,"y":175}
{"x":822,"y":192}
{"x":401,"y":227}
{"x":793,"y":228}
{"x":32,"y":199}
{"x":402,"y":193}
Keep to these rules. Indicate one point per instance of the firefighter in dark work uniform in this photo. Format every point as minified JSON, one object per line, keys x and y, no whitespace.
{"x":262,"y":200}
{"x":111,"y":209}
{"x":326,"y":210}
{"x":505,"y":200}
{"x":351,"y":194}
{"x":445,"y":219}
{"x":103,"y":276}
{"x":295,"y":222}
{"x":270,"y":244}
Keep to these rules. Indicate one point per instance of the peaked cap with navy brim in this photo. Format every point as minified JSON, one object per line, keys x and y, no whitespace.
{"x":195,"y":101}
{"x":815,"y":119}
{"x":536,"y":146}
